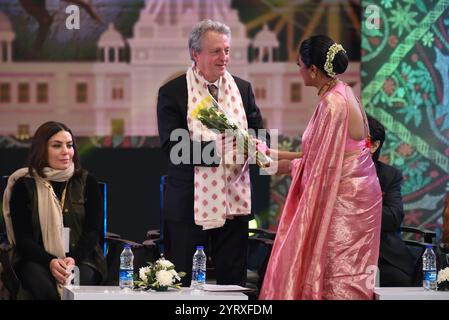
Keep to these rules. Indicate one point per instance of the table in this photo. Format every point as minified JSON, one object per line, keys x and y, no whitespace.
{"x":115,"y":293}
{"x":408,"y":293}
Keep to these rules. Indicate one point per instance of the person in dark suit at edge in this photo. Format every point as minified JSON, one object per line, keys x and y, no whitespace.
{"x":206,"y":202}
{"x":396,"y":263}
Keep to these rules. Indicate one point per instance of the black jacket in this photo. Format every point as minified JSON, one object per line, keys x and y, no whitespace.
{"x":392,"y":247}
{"x":171,"y":115}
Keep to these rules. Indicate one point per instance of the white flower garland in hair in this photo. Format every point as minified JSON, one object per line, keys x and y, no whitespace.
{"x":331,"y":52}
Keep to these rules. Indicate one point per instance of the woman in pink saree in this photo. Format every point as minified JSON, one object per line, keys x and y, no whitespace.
{"x":327,"y":241}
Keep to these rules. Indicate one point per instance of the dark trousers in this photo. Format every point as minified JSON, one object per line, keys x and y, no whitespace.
{"x":227,"y":247}
{"x":41,"y":284}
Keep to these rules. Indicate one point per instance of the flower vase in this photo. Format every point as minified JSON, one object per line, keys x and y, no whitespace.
{"x":159,"y":288}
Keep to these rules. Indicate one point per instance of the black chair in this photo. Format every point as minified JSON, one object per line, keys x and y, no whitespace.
{"x":147,"y":251}
{"x":443,"y":248}
{"x":162,"y":187}
{"x":8,"y":275}
{"x":144,"y":252}
{"x":115,"y":247}
{"x":113,"y":244}
{"x":424,"y":236}
{"x":260,"y":243}
{"x":156,"y":236}
{"x":107,"y":236}
{"x":416,"y":240}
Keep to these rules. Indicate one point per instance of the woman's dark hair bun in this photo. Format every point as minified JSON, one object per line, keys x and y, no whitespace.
{"x":340,"y":62}
{"x":314,"y":51}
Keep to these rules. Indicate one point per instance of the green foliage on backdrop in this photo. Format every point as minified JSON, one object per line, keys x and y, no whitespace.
{"x":405,"y":85}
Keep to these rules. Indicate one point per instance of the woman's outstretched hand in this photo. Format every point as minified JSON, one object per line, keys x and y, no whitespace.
{"x":284,"y":167}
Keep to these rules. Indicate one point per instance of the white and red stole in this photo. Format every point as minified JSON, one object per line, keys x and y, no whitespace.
{"x":224,"y":191}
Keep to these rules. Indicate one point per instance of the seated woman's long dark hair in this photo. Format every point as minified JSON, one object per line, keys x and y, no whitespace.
{"x":314,"y":50}
{"x":38,"y":155}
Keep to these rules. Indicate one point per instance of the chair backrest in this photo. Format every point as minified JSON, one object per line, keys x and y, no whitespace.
{"x":444,"y":245}
{"x":104,"y":207}
{"x":3,"y":236}
{"x":445,"y":237}
{"x":7,"y":274}
{"x":162,"y":187}
{"x":155,"y":237}
{"x":260,"y":243}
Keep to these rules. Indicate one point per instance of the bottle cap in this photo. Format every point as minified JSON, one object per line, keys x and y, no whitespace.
{"x":429,"y":246}
{"x":126,"y":245}
{"x":199,"y":247}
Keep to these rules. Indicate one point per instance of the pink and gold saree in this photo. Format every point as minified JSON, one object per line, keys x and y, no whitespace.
{"x":327,"y":242}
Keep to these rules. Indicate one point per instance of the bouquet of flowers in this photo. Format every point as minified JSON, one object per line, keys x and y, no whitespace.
{"x":209,"y":113}
{"x":159,"y":276}
{"x":443,"y":279}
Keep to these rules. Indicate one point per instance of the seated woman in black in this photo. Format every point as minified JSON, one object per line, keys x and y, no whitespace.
{"x":51,"y":194}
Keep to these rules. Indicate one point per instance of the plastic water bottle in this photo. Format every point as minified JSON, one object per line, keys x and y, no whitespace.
{"x":199,"y":269}
{"x":126,"y":268}
{"x":429,"y":267}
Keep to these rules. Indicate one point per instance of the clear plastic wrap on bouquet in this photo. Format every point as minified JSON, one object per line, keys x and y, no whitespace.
{"x":214,"y":117}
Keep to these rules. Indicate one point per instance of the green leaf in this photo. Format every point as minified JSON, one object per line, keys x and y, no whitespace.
{"x":421,"y":6}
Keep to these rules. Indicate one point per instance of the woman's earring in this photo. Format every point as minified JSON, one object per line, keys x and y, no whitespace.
{"x":312,"y":75}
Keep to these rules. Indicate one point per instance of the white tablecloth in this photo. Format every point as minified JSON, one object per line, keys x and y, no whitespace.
{"x":115,"y":293}
{"x":409,"y":293}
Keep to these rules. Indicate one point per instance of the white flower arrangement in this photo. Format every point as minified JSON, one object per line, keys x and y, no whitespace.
{"x":443,"y":279}
{"x":159,"y":276}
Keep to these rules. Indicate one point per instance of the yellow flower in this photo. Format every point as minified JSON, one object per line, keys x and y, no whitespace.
{"x":203,"y":104}
{"x":196,"y":111}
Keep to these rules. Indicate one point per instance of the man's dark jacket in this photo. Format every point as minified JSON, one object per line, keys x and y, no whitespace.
{"x":392,"y":247}
{"x":171,"y":115}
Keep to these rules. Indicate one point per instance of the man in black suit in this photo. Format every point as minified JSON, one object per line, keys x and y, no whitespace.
{"x":186,"y":208}
{"x":396,"y":265}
